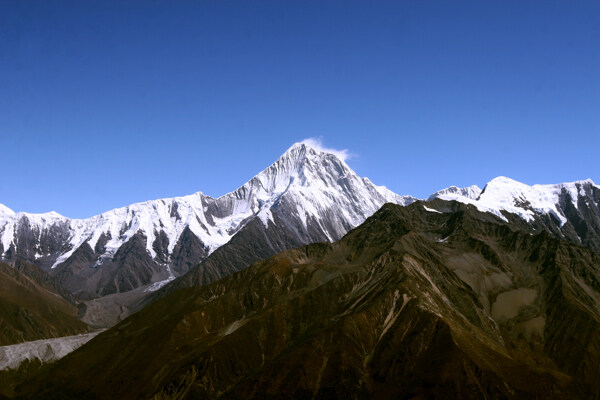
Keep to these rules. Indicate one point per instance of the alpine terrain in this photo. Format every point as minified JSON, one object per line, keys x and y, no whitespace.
{"x":281,"y":289}
{"x":433,"y":300}
{"x":306,"y":196}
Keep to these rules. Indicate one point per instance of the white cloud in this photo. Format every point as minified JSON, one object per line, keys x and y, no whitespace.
{"x":317,"y":143}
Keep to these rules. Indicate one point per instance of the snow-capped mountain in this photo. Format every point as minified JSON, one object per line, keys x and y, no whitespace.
{"x":567,"y":210}
{"x":156,"y":240}
{"x":307,"y":195}
{"x":540,"y":207}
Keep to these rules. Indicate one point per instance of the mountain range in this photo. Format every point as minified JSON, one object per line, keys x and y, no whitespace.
{"x":308,"y":195}
{"x":312,"y":195}
{"x":500,"y":264}
{"x":432,"y":300}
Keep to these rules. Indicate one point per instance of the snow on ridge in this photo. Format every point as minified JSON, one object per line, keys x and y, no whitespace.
{"x":5,"y":210}
{"x":450,"y":193}
{"x":10,"y":221}
{"x":170,"y":215}
{"x":506,"y":194}
{"x":389,"y":196}
{"x":319,"y":183}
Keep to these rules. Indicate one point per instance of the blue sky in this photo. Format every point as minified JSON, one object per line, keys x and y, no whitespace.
{"x":103,"y":104}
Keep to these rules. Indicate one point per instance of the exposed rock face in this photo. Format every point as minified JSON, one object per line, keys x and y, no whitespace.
{"x":34,"y":238}
{"x":432,"y":300}
{"x":187,"y":252}
{"x":314,"y":194}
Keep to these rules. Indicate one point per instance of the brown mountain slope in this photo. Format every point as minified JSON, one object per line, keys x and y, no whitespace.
{"x":30,"y":307}
{"x":414,"y":303}
{"x":43,"y":279}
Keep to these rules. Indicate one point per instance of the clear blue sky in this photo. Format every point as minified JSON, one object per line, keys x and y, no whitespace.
{"x":103,"y":104}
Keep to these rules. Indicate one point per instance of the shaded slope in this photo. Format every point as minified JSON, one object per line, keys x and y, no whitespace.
{"x":253,"y":243}
{"x":30,"y":309}
{"x":43,"y":279}
{"x":443,"y":301}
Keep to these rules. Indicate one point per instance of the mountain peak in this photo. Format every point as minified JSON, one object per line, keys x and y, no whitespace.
{"x":317,"y":179}
{"x":315,"y":146}
{"x":298,"y":146}
{"x":504,"y":187}
{"x":308,"y":148}
{"x":298,"y":151}
{"x":504,"y":183}
{"x":301,"y":164}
